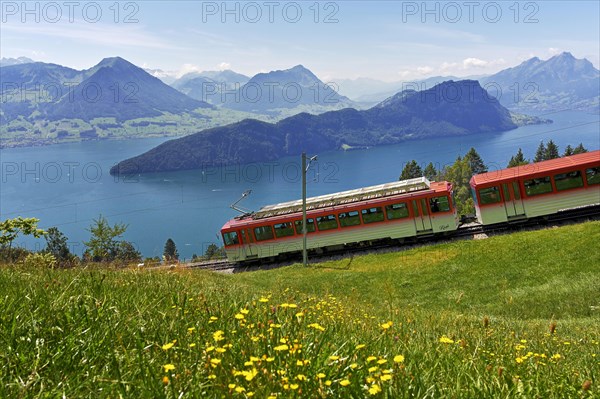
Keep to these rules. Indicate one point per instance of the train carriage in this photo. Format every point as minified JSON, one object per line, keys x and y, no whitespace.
{"x":391,"y":211}
{"x":538,"y":189}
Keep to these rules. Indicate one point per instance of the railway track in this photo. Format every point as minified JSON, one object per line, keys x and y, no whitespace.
{"x":465,"y":231}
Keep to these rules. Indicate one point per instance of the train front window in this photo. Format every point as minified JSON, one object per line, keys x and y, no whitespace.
{"x":263,"y":233}
{"x":310,"y":226}
{"x":396,"y":211}
{"x":351,"y":218}
{"x":593,"y":176}
{"x":372,"y":215}
{"x":541,"y":185}
{"x":328,"y":222}
{"x":230,"y":238}
{"x":284,"y":229}
{"x":439,"y":204}
{"x":490,"y":195}
{"x":565,"y":181}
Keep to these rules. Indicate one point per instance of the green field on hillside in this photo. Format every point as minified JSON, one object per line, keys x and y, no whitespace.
{"x":510,"y":316}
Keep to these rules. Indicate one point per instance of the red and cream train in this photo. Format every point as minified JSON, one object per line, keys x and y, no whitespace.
{"x":413,"y":208}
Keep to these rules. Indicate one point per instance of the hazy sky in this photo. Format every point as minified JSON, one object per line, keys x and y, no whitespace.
{"x":386,"y":40}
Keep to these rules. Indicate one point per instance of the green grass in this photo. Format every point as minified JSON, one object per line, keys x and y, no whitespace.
{"x":510,"y":316}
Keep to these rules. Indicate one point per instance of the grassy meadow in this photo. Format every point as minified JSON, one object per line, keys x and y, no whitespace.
{"x":511,"y":316}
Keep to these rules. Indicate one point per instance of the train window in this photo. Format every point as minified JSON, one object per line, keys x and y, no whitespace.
{"x":349,"y":218}
{"x":310,"y":226}
{"x":490,"y":195}
{"x":283,"y":230}
{"x":593,"y":175}
{"x":565,"y":181}
{"x":541,"y":185}
{"x":372,"y":215}
{"x":397,"y":211}
{"x":263,"y":233}
{"x":439,"y":204}
{"x":328,"y":222}
{"x":230,"y":238}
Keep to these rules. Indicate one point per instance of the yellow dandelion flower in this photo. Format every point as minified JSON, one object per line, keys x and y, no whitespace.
{"x":239,"y":316}
{"x":353,"y":366}
{"x":249,"y":375}
{"x":320,"y":376}
{"x":373,"y":369}
{"x":244,"y":311}
{"x":300,"y":314}
{"x":445,"y":340}
{"x":254,"y":359}
{"x":385,"y":377}
{"x":292,"y":305}
{"x":345,"y":383}
{"x":165,"y":380}
{"x":249,"y":394}
{"x":212,"y":319}
{"x":519,"y":360}
{"x":272,"y":397}
{"x":270,"y":359}
{"x":370,"y":379}
{"x":240,"y":389}
{"x":333,"y":357}
{"x":263,"y":299}
{"x":301,"y":377}
{"x":191,"y":329}
{"x":248,"y":364}
{"x":371,"y":358}
{"x":192,"y":345}
{"x":299,"y":363}
{"x":374,"y":389}
{"x":386,"y":326}
{"x":215,"y":361}
{"x":381,"y":361}
{"x":360,"y":346}
{"x":398,"y":359}
{"x":281,"y":348}
{"x":231,"y":386}
{"x":294,"y":386}
{"x":169,"y":367}
{"x":328,"y":383}
{"x":218,"y":335}
{"x":556,"y":356}
{"x":210,"y":348}
{"x":221,"y":350}
{"x":168,"y":346}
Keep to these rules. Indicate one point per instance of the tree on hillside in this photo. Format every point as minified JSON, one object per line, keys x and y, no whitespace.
{"x":126,"y":252}
{"x":11,"y":228}
{"x":411,"y":171}
{"x":103,"y":245}
{"x":213,"y":251}
{"x":568,"y":151}
{"x":551,"y":151}
{"x":430,"y":172}
{"x":517,"y":160}
{"x":540,"y":153}
{"x":170,"y":253}
{"x":56,"y":244}
{"x":475,"y":162}
{"x":580,"y":149}
{"x":459,"y":174}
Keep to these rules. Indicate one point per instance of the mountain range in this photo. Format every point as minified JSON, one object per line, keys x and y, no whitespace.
{"x":448,"y":109}
{"x":561,"y":82}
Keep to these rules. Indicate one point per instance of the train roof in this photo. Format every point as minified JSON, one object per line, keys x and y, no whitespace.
{"x":345,"y":197}
{"x":584,"y":160}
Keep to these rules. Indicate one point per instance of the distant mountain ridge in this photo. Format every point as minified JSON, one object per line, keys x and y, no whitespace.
{"x":561,"y":82}
{"x":407,"y":115}
{"x":209,"y":86}
{"x":15,"y":61}
{"x":114,"y":88}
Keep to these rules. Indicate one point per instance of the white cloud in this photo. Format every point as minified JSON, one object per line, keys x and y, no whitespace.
{"x":552,"y":51}
{"x":474,"y":62}
{"x":425,"y":70}
{"x":223,"y":66}
{"x":188,"y":68}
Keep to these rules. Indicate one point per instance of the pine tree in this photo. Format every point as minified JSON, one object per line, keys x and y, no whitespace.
{"x":459,"y":174}
{"x":170,"y":252}
{"x":551,"y":151}
{"x":517,"y":160}
{"x":568,"y":151}
{"x":411,"y":171}
{"x":56,"y":244}
{"x":430,"y":172}
{"x":475,"y":162}
{"x":580,"y":149}
{"x":540,"y":153}
{"x":103,"y":246}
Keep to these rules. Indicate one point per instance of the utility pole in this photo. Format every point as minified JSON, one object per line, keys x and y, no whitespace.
{"x":305,"y":167}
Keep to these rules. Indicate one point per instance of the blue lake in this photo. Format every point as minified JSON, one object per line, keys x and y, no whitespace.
{"x":68,"y":185}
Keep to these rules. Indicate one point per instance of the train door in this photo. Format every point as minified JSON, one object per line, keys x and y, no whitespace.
{"x":422,"y":220}
{"x":249,"y":247}
{"x":513,"y":202}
